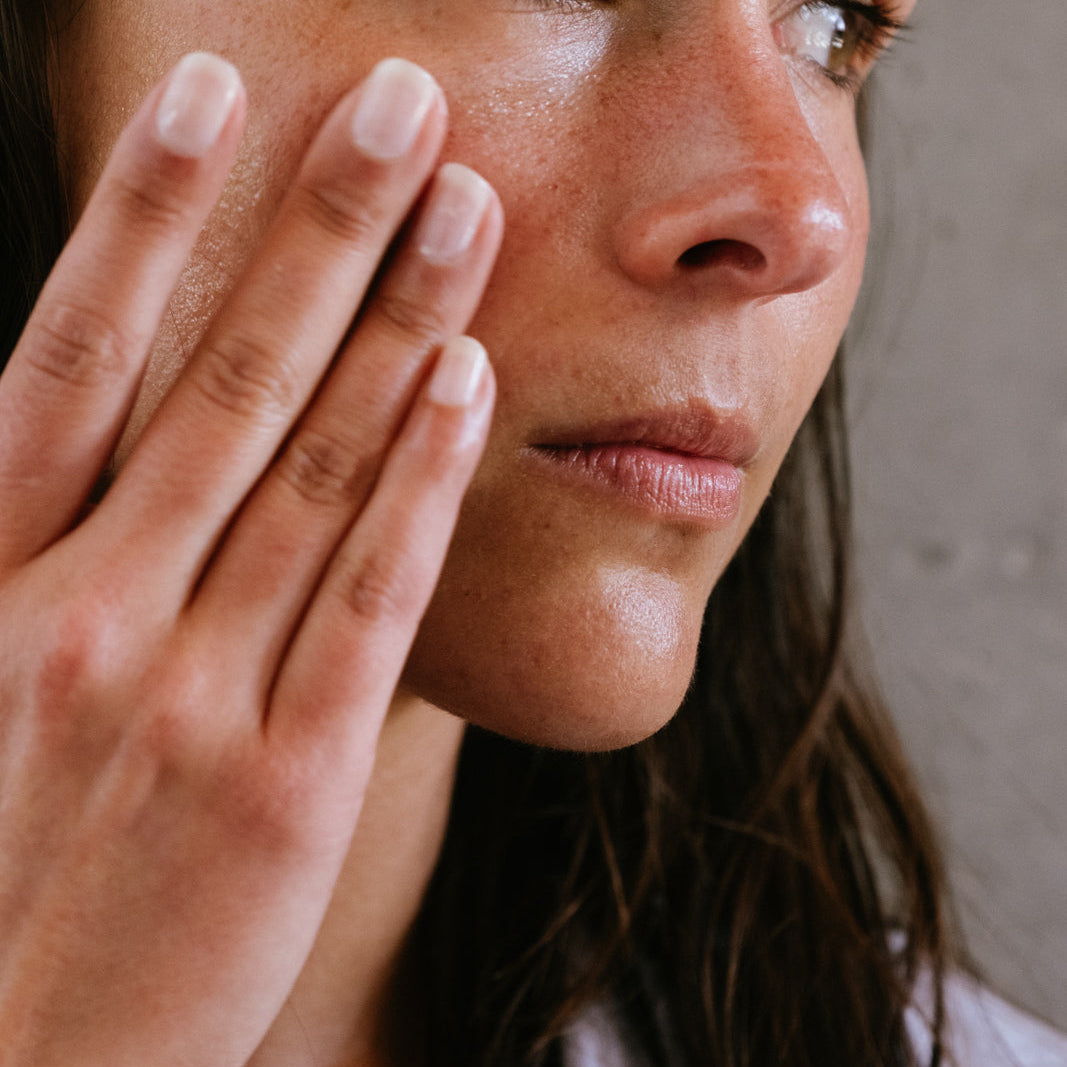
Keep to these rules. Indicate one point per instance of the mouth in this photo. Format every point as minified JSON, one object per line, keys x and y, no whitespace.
{"x":683,"y":465}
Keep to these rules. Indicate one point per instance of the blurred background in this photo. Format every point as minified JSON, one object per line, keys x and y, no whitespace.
{"x":959,"y":416}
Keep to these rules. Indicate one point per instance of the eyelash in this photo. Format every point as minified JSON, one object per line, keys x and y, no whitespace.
{"x":875,"y":28}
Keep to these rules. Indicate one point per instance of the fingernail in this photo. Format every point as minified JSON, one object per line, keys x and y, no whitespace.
{"x":394,"y":103}
{"x":454,"y":213}
{"x":460,"y":368}
{"x":196,"y":104}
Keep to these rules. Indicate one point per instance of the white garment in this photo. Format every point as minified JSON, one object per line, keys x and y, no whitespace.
{"x":983,"y":1031}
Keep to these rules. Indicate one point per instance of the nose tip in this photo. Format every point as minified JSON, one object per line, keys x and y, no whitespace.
{"x":759,"y":233}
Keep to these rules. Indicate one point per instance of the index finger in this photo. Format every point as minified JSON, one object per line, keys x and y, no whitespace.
{"x":73,"y":374}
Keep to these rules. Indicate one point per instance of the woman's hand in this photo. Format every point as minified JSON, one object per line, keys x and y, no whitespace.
{"x":194,"y":676}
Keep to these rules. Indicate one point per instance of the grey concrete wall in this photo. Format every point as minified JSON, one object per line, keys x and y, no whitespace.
{"x":960,"y":425}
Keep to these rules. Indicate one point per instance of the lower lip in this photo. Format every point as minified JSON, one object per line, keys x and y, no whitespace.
{"x":673,"y":485}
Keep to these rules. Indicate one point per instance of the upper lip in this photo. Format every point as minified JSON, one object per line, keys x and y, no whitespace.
{"x":691,"y":429}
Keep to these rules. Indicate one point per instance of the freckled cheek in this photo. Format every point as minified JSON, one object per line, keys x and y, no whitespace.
{"x":549,"y":265}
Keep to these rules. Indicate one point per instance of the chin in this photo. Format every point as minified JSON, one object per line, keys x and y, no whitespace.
{"x":577,"y":672}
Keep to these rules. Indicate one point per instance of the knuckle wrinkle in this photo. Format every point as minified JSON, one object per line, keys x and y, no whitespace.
{"x":412,"y":320}
{"x":81,"y":347}
{"x":324,"y":470}
{"x":243,"y":376}
{"x":377,"y":592}
{"x":343,"y":217}
{"x":153,"y":206}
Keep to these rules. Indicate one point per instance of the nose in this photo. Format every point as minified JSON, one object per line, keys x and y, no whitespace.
{"x":744,"y":198}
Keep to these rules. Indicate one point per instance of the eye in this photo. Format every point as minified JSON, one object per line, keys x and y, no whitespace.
{"x":842,"y":38}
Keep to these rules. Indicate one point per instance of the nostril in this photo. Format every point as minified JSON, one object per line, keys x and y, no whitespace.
{"x":726,"y":253}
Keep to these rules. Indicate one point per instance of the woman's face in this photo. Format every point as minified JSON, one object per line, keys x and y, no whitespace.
{"x":686,"y":220}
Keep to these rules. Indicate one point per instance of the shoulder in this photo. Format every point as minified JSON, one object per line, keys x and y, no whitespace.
{"x":983,"y":1031}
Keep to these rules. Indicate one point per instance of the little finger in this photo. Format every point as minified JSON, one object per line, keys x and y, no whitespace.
{"x":340,"y":673}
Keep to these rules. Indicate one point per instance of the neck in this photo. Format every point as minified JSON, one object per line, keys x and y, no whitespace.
{"x":339,"y":1011}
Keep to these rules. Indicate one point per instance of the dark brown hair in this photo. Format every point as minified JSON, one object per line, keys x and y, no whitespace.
{"x":33,"y":211}
{"x":757,"y":884}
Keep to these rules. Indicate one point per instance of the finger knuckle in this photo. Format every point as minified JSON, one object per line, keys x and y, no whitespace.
{"x":169,"y":734}
{"x":149,"y":206}
{"x":98,"y":706}
{"x":165,"y":739}
{"x":346,"y":216}
{"x":414,"y":321}
{"x":79,"y":346}
{"x":381,"y":590}
{"x":270,"y":801}
{"x":73,"y":674}
{"x":74,"y":653}
{"x":325,"y":468}
{"x":244,"y":375}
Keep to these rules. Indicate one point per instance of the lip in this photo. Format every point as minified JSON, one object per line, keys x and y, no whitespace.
{"x":685,"y":464}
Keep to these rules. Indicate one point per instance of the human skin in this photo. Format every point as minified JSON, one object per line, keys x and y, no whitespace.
{"x":686,"y":222}
{"x":618,"y":139}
